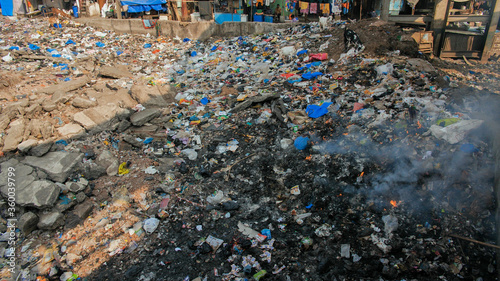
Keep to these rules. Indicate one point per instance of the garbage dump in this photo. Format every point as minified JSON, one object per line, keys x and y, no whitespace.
{"x":278,"y":156}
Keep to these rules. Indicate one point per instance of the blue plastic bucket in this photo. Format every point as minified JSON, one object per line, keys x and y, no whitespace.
{"x":7,"y":7}
{"x":75,"y":11}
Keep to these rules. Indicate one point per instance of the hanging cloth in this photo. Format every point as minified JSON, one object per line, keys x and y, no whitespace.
{"x":304,"y":7}
{"x":325,"y":8}
{"x":314,"y":8}
{"x":345,"y":6}
{"x":290,"y":6}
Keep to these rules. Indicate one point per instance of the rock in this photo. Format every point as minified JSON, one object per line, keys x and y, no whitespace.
{"x":71,"y":130}
{"x":131,"y":140}
{"x":152,"y":96}
{"x":114,"y":72}
{"x":27,"y":223}
{"x":39,"y":129}
{"x":61,"y":97}
{"x":4,"y":121}
{"x":142,"y":117}
{"x":14,"y":135}
{"x":27,"y":145}
{"x":32,"y":109}
{"x":50,"y":220}
{"x":66,"y":86}
{"x":41,"y":149}
{"x":109,"y":162}
{"x":62,"y":206}
{"x":83,"y":103}
{"x":74,"y":186}
{"x":254,"y":100}
{"x":421,"y":65}
{"x":80,"y":197}
{"x":124,"y":125}
{"x":83,"y":210}
{"x":24,"y":177}
{"x":58,"y":165}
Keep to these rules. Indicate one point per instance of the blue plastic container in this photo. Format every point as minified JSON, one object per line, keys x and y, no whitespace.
{"x":257,"y":18}
{"x":7,"y":7}
{"x":75,"y":11}
{"x":269,"y":19}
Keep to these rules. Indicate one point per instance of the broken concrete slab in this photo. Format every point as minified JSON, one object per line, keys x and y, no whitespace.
{"x":50,"y":220}
{"x":455,"y":133}
{"x":60,"y":96}
{"x":83,"y":103}
{"x":26,"y":145}
{"x":24,"y":176}
{"x":66,"y":86}
{"x":14,"y":135}
{"x":150,"y":96}
{"x":41,"y":149}
{"x":142,"y":117}
{"x":74,"y":186}
{"x":28,"y":222}
{"x":58,"y":165}
{"x":39,"y":194}
{"x":100,"y":118}
{"x":253,"y":100}
{"x":114,"y":72}
{"x":71,"y":130}
{"x":49,"y":105}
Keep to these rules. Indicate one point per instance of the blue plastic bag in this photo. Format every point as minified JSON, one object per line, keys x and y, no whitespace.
{"x":193,"y":54}
{"x":204,"y":101}
{"x":315,"y":111}
{"x":310,"y":75}
{"x":70,"y":42}
{"x":33,"y":47}
{"x":301,"y":143}
{"x":186,"y":40}
{"x":147,"y":46}
{"x":14,"y":48}
{"x":100,"y":44}
{"x":119,"y":53}
{"x":147,"y":141}
{"x":301,"y":52}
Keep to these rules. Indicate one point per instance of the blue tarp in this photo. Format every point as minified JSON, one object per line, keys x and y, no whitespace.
{"x":137,"y":6}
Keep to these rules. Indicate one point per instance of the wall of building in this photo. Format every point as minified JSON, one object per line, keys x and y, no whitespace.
{"x":192,"y":30}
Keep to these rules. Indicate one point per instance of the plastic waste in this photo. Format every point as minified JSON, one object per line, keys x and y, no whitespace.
{"x":215,"y":198}
{"x":309,"y":75}
{"x":190,"y":153}
{"x":33,"y":47}
{"x":391,"y":223}
{"x":7,"y":58}
{"x":345,"y":250}
{"x":315,"y":111}
{"x":100,"y":44}
{"x":150,"y":225}
{"x":123,"y":169}
{"x":301,"y":143}
{"x":288,"y":50}
{"x":146,"y":46}
{"x":266,"y":232}
{"x":320,"y":57}
{"x":468,"y":148}
{"x":385,"y":69}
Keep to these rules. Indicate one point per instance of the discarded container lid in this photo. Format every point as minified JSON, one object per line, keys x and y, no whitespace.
{"x":301,"y":143}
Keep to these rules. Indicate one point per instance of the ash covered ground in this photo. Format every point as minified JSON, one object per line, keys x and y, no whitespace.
{"x":246,"y":158}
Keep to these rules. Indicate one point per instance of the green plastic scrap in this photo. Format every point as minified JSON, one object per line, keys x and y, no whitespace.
{"x":259,"y":275}
{"x":447,"y":122}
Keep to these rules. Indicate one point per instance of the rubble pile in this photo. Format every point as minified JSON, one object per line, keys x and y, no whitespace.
{"x":279,"y":156}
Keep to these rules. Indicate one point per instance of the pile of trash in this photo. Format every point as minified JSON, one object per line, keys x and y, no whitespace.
{"x":264,"y":157}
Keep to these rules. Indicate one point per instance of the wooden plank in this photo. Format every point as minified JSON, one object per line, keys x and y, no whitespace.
{"x":469,"y":18}
{"x":421,"y":20}
{"x":459,"y":54}
{"x":490,"y":35}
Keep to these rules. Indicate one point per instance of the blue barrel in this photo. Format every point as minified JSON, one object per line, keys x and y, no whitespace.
{"x":7,"y":7}
{"x":75,"y":11}
{"x":257,"y":18}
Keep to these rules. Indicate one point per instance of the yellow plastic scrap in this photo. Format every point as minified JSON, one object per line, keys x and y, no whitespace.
{"x":123,"y":170}
{"x":447,"y":122}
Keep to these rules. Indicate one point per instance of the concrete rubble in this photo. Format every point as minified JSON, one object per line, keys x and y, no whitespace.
{"x":278,"y":156}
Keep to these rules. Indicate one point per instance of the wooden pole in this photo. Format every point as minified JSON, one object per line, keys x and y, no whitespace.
{"x":384,"y":10}
{"x":438,"y":24}
{"x":475,"y":241}
{"x":118,"y":9}
{"x":490,"y":33}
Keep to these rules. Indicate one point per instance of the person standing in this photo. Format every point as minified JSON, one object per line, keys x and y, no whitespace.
{"x":277,"y":13}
